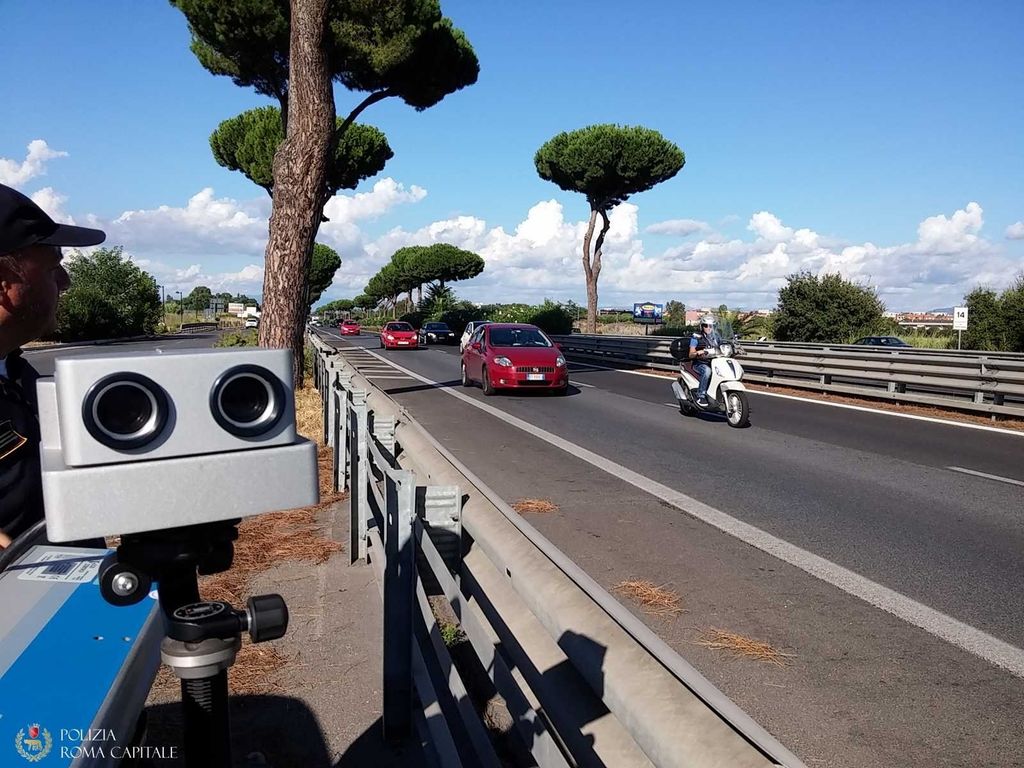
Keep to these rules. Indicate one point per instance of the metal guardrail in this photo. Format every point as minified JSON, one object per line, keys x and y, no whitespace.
{"x":991,"y":382}
{"x":585,"y":681}
{"x":198,"y":327}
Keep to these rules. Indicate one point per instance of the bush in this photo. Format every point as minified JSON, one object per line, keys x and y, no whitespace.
{"x":458,"y":319}
{"x":238,"y":339}
{"x":675,"y":331}
{"x":109,"y":298}
{"x":415,"y":319}
{"x":826,"y":309}
{"x":552,"y":318}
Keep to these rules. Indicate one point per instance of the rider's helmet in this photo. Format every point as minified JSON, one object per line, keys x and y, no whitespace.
{"x":708,"y":321}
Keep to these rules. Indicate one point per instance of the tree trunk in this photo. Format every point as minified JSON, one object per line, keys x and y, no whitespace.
{"x":300,"y":173}
{"x":592,"y":266}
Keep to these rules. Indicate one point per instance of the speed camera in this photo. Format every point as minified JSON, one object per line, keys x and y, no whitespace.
{"x":135,"y":442}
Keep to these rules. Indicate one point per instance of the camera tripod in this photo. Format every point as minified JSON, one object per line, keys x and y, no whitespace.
{"x":203,"y":637}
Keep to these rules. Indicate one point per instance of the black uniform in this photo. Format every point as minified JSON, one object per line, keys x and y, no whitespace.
{"x":21,"y":490}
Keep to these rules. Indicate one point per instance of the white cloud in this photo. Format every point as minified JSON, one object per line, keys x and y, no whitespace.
{"x":14,"y":173}
{"x":52,"y":202}
{"x":206,"y":223}
{"x":678,"y":227}
{"x":219,"y":242}
{"x":1015,"y":231}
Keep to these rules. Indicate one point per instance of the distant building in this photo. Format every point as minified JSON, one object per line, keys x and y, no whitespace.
{"x":924,"y":320}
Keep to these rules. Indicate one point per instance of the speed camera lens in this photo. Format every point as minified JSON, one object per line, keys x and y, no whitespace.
{"x":247,"y":400}
{"x":125,"y":411}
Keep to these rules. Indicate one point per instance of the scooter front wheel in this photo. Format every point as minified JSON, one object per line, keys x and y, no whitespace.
{"x":737,"y":409}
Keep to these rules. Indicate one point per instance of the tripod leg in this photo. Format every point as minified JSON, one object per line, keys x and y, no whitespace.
{"x":207,"y":732}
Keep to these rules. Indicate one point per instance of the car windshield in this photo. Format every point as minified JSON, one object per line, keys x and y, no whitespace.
{"x":518,"y":337}
{"x":399,"y":327}
{"x":436,"y":327}
{"x":351,"y":322}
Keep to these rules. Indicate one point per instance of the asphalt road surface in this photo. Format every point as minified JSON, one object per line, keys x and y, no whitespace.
{"x":866,"y":545}
{"x":43,"y":358}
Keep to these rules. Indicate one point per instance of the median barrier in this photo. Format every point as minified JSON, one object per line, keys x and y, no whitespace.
{"x":585,"y":682}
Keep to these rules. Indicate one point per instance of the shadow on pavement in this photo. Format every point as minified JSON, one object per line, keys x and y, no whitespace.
{"x":284,"y":731}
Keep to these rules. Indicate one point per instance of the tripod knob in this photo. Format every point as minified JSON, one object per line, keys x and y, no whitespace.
{"x":122,"y":584}
{"x":268,"y":617}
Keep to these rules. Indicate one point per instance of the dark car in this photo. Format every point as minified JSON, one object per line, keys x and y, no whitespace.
{"x":436,"y":333}
{"x":881,"y":341}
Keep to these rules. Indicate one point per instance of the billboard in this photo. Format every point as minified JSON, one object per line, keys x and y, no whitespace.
{"x":646,"y":312}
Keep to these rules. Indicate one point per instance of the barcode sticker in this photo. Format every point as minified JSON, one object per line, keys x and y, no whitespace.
{"x":61,"y":567}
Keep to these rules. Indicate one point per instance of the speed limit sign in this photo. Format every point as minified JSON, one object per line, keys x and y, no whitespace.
{"x":960,"y":319}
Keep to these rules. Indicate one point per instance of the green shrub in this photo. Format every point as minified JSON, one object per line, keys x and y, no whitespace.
{"x":415,"y":319}
{"x":246,"y":338}
{"x":109,"y":298}
{"x":674,"y":331}
{"x":552,"y":318}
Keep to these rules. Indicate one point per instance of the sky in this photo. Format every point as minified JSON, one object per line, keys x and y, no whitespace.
{"x":883,"y":141}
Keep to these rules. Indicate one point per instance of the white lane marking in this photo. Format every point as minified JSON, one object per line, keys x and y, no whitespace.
{"x":376,"y":376}
{"x":960,"y":634}
{"x":987,"y":476}
{"x":866,"y":409}
{"x":581,"y":384}
{"x":946,"y":422}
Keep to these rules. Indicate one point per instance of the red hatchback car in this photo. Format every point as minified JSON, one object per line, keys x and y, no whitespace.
{"x":513,"y":356}
{"x":348,"y":328}
{"x":398,"y":335}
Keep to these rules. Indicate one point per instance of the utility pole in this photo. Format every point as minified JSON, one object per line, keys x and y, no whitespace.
{"x":181,"y":310}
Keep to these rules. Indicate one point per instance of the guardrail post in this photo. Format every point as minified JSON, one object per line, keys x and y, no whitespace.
{"x":384,"y":431}
{"x":399,"y":599}
{"x":360,"y":472}
{"x":330,"y":425}
{"x":343,"y":469}
{"x":339,"y":437}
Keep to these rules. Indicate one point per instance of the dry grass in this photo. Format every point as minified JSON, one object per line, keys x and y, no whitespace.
{"x":254,"y":673}
{"x":738,"y":645}
{"x":655,"y":600}
{"x":309,"y":417}
{"x":535,"y":506}
{"x":263,"y":542}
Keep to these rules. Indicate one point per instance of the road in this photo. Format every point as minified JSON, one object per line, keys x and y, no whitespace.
{"x":43,"y":358}
{"x":797,"y":531}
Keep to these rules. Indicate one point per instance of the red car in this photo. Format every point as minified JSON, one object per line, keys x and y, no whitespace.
{"x":513,"y":356}
{"x":398,"y":335}
{"x":348,"y":328}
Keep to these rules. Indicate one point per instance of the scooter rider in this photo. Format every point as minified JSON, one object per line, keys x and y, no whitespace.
{"x":702,"y":345}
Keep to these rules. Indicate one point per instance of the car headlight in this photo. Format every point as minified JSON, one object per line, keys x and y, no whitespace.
{"x":503,"y":361}
{"x":389,"y":337}
{"x":560,"y":361}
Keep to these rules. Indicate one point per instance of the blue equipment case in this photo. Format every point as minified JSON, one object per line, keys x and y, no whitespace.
{"x":75,"y":671}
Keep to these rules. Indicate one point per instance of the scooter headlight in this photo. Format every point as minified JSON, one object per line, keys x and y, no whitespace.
{"x":726,"y":349}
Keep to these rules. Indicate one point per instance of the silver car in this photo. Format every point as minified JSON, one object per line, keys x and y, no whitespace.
{"x":471,"y":326}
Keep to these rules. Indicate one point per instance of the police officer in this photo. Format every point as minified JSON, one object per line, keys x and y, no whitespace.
{"x":32,"y":277}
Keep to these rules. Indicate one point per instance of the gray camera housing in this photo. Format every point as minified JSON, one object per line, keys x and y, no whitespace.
{"x":192,"y":466}
{"x":187,"y":379}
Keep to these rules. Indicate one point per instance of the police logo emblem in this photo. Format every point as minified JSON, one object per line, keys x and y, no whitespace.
{"x":34,"y":745}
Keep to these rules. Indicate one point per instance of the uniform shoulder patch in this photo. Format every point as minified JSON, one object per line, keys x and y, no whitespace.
{"x":10,"y":440}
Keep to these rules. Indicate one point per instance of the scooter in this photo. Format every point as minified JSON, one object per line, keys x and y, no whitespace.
{"x":726,"y":393}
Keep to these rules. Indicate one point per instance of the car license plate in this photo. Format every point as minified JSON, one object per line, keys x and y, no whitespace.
{"x":403,"y":342}
{"x":535,"y":377}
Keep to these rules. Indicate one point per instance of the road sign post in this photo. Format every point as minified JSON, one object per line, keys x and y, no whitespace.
{"x":959,"y":323}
